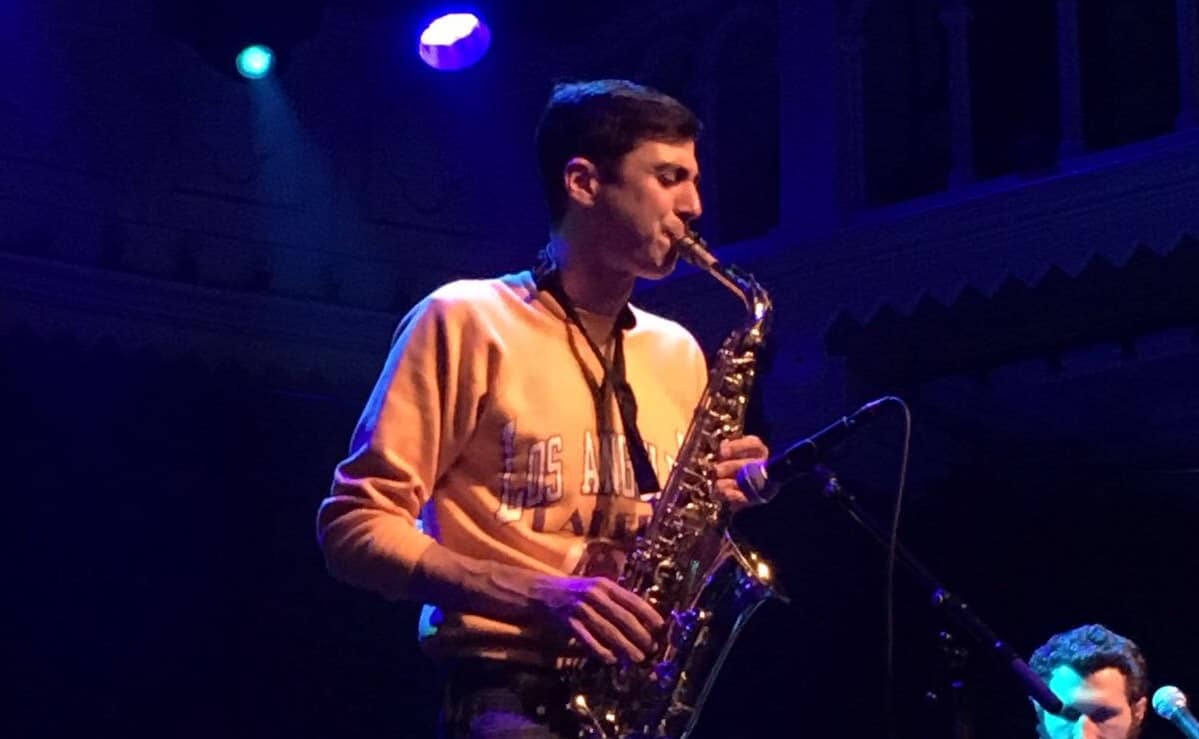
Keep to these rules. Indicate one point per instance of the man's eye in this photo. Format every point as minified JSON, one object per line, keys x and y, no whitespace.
{"x":672,"y":177}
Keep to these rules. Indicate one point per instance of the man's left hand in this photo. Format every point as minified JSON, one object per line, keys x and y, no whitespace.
{"x":732,"y":456}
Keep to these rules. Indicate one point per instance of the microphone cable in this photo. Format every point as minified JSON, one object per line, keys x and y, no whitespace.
{"x":889,"y":587}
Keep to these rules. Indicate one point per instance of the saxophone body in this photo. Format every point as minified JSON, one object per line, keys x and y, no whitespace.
{"x":686,"y":564}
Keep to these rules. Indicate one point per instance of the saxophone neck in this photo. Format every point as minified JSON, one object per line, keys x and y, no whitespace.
{"x":693,"y":249}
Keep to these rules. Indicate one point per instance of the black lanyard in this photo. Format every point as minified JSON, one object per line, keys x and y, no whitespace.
{"x":613,"y":383}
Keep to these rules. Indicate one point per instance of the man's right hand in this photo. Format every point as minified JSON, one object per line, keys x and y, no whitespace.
{"x":611,"y":621}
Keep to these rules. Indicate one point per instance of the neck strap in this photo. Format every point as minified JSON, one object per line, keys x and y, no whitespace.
{"x":549,"y":278}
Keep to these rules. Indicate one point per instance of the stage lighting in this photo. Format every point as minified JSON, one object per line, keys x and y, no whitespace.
{"x":255,"y":62}
{"x":242,"y":40}
{"x":454,"y":41}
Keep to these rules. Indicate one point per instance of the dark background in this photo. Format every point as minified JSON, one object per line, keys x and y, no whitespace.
{"x":163,"y":573}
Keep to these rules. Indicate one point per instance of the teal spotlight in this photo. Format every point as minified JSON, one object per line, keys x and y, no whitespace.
{"x":255,"y":62}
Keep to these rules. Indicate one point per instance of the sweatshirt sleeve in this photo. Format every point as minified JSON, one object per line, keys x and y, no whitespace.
{"x":419,"y":416}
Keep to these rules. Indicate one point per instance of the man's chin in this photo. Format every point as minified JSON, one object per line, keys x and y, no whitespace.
{"x":662,"y":269}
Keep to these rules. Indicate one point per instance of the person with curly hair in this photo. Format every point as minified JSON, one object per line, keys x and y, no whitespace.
{"x":1102,"y":679}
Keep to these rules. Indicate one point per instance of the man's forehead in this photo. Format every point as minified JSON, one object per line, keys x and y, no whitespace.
{"x":1066,"y":681}
{"x":677,"y":153}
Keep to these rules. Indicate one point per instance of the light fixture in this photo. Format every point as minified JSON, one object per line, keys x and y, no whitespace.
{"x":454,"y":41}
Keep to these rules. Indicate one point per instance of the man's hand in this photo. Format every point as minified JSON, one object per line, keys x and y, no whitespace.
{"x":732,"y":456}
{"x":612,"y":622}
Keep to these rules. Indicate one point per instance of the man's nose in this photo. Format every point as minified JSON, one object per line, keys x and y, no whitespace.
{"x":1085,"y":728}
{"x":690,"y":206}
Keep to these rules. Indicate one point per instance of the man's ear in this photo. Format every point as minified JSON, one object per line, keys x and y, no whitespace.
{"x":1138,"y":709}
{"x":580,"y":177}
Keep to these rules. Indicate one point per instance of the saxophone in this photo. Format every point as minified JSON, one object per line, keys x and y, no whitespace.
{"x":686,"y":565}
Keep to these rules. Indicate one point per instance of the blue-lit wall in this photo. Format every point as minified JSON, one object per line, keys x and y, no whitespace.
{"x":199,"y":278}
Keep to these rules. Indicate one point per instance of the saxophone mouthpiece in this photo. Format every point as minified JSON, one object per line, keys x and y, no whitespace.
{"x":693,"y":249}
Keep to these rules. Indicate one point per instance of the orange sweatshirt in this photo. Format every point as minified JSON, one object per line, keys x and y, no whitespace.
{"x":481,"y":434}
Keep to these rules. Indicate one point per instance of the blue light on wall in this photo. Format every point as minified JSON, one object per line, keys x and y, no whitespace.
{"x":255,"y":62}
{"x":454,"y":41}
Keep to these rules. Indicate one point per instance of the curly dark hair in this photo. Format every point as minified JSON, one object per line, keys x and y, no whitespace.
{"x":1090,"y":648}
{"x":603,"y":120}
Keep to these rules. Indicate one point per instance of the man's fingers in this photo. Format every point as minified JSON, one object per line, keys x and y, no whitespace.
{"x":608,"y":619}
{"x":607,"y":633}
{"x":581,"y":632}
{"x":645,"y":613}
{"x":617,"y":610}
{"x":744,"y":447}
{"x":728,"y":469}
{"x":728,"y":490}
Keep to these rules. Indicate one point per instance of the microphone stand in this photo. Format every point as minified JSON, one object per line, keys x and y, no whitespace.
{"x":954,"y":657}
{"x":954,"y":608}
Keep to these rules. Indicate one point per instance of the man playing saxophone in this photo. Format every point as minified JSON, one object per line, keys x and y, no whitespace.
{"x":518,"y":418}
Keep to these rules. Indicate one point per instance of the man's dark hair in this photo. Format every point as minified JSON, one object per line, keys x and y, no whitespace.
{"x":603,"y":120}
{"x":1091,"y":648}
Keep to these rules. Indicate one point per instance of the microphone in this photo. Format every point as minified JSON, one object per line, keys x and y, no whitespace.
{"x":761,"y":481}
{"x":1171,"y":704}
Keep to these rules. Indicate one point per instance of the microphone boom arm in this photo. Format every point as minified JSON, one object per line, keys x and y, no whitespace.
{"x":955,"y":609}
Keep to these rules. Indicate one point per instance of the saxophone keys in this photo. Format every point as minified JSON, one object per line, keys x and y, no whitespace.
{"x":664,"y":675}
